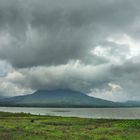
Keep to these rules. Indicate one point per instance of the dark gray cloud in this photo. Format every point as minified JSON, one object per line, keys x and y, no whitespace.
{"x":91,"y":46}
{"x":52,"y":32}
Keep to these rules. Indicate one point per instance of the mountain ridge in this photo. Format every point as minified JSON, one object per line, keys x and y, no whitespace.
{"x":57,"y":98}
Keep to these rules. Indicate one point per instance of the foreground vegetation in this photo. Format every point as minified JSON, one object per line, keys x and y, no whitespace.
{"x":21,"y":126}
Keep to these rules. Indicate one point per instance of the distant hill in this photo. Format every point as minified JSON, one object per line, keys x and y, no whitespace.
{"x":132,"y":103}
{"x":57,"y":98}
{"x":2,"y":97}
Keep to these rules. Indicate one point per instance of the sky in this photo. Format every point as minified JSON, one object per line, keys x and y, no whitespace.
{"x":90,"y":46}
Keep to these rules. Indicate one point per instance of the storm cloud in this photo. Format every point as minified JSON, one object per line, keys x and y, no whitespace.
{"x":90,"y":46}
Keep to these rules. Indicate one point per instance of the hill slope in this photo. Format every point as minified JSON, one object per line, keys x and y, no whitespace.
{"x":132,"y":103}
{"x":57,"y":98}
{"x":2,"y":97}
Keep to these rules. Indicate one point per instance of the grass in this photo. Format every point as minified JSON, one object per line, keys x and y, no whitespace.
{"x":21,"y":126}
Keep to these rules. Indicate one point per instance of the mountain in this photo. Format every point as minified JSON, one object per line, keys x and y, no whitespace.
{"x":57,"y":98}
{"x":2,"y":97}
{"x":132,"y":103}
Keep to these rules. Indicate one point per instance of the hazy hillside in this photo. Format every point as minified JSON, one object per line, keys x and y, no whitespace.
{"x":2,"y":97}
{"x":57,"y":98}
{"x":132,"y":103}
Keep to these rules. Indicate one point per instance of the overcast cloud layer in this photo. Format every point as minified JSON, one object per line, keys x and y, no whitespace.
{"x":91,"y":46}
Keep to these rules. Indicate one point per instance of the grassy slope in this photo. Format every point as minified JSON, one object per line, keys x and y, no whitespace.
{"x":30,"y":127}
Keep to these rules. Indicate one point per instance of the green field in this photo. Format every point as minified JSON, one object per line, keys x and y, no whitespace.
{"x":20,"y":126}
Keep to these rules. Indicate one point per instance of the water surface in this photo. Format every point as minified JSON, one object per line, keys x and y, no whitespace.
{"x":108,"y":113}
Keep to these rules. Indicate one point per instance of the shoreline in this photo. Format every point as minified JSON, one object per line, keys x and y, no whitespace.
{"x":23,"y":114}
{"x":95,"y":113}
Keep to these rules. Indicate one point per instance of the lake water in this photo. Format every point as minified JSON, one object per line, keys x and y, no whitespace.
{"x":108,"y":113}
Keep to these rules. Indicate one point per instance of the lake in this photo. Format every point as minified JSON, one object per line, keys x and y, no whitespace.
{"x":108,"y":113}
